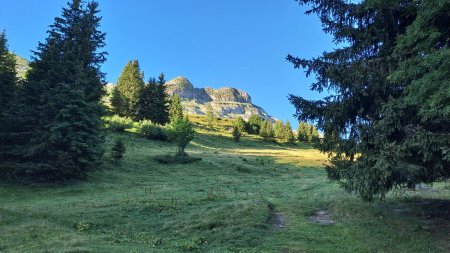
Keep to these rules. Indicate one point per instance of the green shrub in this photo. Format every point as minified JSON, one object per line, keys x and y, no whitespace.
{"x":151,"y":131}
{"x":181,"y":131}
{"x":170,"y":159}
{"x":119,"y":124}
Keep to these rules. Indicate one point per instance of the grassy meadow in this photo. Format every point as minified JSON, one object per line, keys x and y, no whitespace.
{"x":251,"y":196}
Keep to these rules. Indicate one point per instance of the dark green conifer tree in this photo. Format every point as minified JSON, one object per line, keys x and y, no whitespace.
{"x":153,"y":101}
{"x":8,"y":86}
{"x":8,"y":79}
{"x":58,"y":130}
{"x":118,"y":150}
{"x":386,"y":125}
{"x":163,"y":101}
{"x":148,"y":101}
{"x":175,"y":108}
{"x":128,"y":90}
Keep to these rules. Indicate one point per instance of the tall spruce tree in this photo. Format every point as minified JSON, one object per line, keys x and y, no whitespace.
{"x":387,"y":125}
{"x":148,"y":101}
{"x":153,"y":101}
{"x":175,"y":108}
{"x":58,"y":131}
{"x":8,"y":82}
{"x":8,"y":79}
{"x":163,"y":101}
{"x":127,"y":93}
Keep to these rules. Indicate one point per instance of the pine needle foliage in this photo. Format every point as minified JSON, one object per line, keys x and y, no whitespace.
{"x":175,"y":108}
{"x":127,"y":93}
{"x":118,"y":150}
{"x":386,"y":124}
{"x":58,"y":128}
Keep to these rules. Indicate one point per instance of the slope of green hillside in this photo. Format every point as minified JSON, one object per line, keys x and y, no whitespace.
{"x":250,"y":196}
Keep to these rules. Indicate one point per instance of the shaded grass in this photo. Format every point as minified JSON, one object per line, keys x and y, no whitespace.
{"x":223,"y":203}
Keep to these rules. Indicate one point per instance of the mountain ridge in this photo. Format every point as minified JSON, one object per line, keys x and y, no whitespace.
{"x":227,"y":102}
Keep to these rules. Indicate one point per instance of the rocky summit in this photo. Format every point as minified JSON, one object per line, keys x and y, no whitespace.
{"x":226,"y":102}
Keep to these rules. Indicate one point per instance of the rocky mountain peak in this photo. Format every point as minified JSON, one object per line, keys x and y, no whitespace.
{"x":227,"y":102}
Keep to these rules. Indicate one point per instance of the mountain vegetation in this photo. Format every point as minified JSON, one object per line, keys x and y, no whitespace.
{"x":386,"y":124}
{"x":55,"y":131}
{"x":175,"y":108}
{"x":8,"y":79}
{"x":8,"y":87}
{"x":256,"y":196}
{"x":267,"y":131}
{"x":153,"y":101}
{"x":126,"y":96}
{"x":223,"y":175}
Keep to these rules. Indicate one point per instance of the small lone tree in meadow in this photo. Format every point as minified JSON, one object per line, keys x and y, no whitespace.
{"x":118,"y":150}
{"x":236,"y":134}
{"x":210,"y":119}
{"x":181,"y":131}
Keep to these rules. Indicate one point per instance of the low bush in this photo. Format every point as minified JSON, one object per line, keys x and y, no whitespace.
{"x":119,"y":124}
{"x":181,"y":131}
{"x":151,"y":131}
{"x":176,"y":159}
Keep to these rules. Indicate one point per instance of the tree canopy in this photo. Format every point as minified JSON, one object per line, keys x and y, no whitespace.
{"x":127,"y":93}
{"x":153,"y":101}
{"x":8,"y":74}
{"x":175,"y":108}
{"x":56,"y":125}
{"x":386,"y":123}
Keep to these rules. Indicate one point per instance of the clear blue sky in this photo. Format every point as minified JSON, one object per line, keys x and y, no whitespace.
{"x":214,"y":43}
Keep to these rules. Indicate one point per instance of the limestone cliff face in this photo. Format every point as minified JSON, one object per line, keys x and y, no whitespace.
{"x":227,"y":102}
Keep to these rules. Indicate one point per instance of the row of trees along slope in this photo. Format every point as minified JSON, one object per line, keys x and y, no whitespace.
{"x":280,"y":131}
{"x":51,"y":127}
{"x":387,"y":123}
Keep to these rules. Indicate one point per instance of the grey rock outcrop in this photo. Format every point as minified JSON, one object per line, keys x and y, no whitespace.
{"x":227,"y":102}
